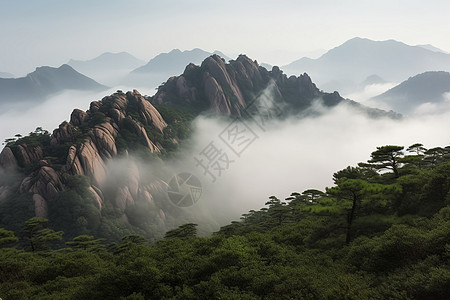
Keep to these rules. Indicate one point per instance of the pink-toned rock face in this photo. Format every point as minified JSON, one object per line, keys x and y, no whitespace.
{"x":223,"y":88}
{"x":147,"y":111}
{"x":40,"y":206}
{"x":30,"y":154}
{"x":77,"y":117}
{"x":97,"y":197}
{"x":216,"y":67}
{"x":216,"y":96}
{"x":92,"y":163}
{"x":105,"y":138}
{"x":7,"y":159}
{"x":73,"y":164}
{"x":90,"y":147}
{"x":66,"y":132}
{"x":123,"y":198}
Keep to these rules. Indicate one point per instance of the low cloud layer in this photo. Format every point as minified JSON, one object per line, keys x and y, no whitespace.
{"x":297,"y":154}
{"x":364,"y":95}
{"x":275,"y":159}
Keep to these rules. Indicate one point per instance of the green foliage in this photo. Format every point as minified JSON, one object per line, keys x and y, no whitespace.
{"x":37,"y":236}
{"x":75,"y":209}
{"x":7,"y":237}
{"x":299,"y":249}
{"x":86,"y":242}
{"x":183,"y":231}
{"x":386,"y":158}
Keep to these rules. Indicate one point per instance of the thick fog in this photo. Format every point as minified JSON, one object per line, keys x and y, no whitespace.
{"x":294,"y":155}
{"x":365,"y":93}
{"x":281,"y":157}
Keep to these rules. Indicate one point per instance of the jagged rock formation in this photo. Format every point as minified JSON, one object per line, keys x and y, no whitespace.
{"x":7,"y":159}
{"x":95,"y":143}
{"x":91,"y":140}
{"x":229,"y":88}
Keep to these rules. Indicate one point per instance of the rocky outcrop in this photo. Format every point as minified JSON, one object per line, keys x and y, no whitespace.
{"x":77,"y":117}
{"x":215,"y":67}
{"x":147,"y":111}
{"x":228,"y":89}
{"x":104,"y":136}
{"x":7,"y":159}
{"x":45,"y":182}
{"x":28,"y":154}
{"x":98,"y":196}
{"x":90,"y":141}
{"x":91,"y":162}
{"x":73,"y":163}
{"x":40,"y":206}
{"x":66,"y":133}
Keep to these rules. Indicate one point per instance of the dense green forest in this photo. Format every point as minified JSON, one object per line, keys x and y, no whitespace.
{"x":381,"y":232}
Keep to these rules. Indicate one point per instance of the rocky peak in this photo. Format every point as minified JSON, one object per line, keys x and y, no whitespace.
{"x":7,"y":159}
{"x":90,"y":139}
{"x":77,"y":117}
{"x":227,"y":89}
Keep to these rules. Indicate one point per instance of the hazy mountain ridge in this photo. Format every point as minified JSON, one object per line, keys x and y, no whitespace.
{"x":164,"y":65}
{"x":43,"y":82}
{"x":6,"y":75}
{"x":108,"y":60}
{"x":229,"y":89}
{"x":174,"y":61}
{"x":343,"y":67}
{"x":428,"y":87}
{"x":52,"y":167}
{"x":109,"y":68}
{"x":432,"y":48}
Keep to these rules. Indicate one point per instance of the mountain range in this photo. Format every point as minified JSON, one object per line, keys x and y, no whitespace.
{"x":230,"y":89}
{"x":108,"y":68}
{"x":164,"y":65}
{"x":44,"y":82}
{"x":428,"y":87}
{"x":346,"y":66}
{"x":175,"y":61}
{"x":67,"y":176}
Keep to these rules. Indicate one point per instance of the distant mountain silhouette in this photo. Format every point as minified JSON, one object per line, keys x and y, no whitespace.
{"x":164,"y":65}
{"x":432,"y":48}
{"x":347,"y":65}
{"x":417,"y":90}
{"x":175,"y":61}
{"x":43,"y":82}
{"x":6,"y":75}
{"x":108,"y":68}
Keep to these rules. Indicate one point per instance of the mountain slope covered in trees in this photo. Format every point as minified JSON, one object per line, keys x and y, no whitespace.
{"x":382,"y":231}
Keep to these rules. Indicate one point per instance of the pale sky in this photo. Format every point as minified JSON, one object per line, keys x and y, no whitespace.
{"x":50,"y":32}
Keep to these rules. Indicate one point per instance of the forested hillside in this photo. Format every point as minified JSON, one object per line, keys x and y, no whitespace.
{"x":382,"y":231}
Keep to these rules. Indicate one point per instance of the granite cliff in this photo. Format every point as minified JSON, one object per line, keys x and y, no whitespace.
{"x":83,"y":146}
{"x":71,"y":169}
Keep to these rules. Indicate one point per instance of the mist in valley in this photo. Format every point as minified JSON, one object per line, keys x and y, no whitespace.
{"x":284,"y":156}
